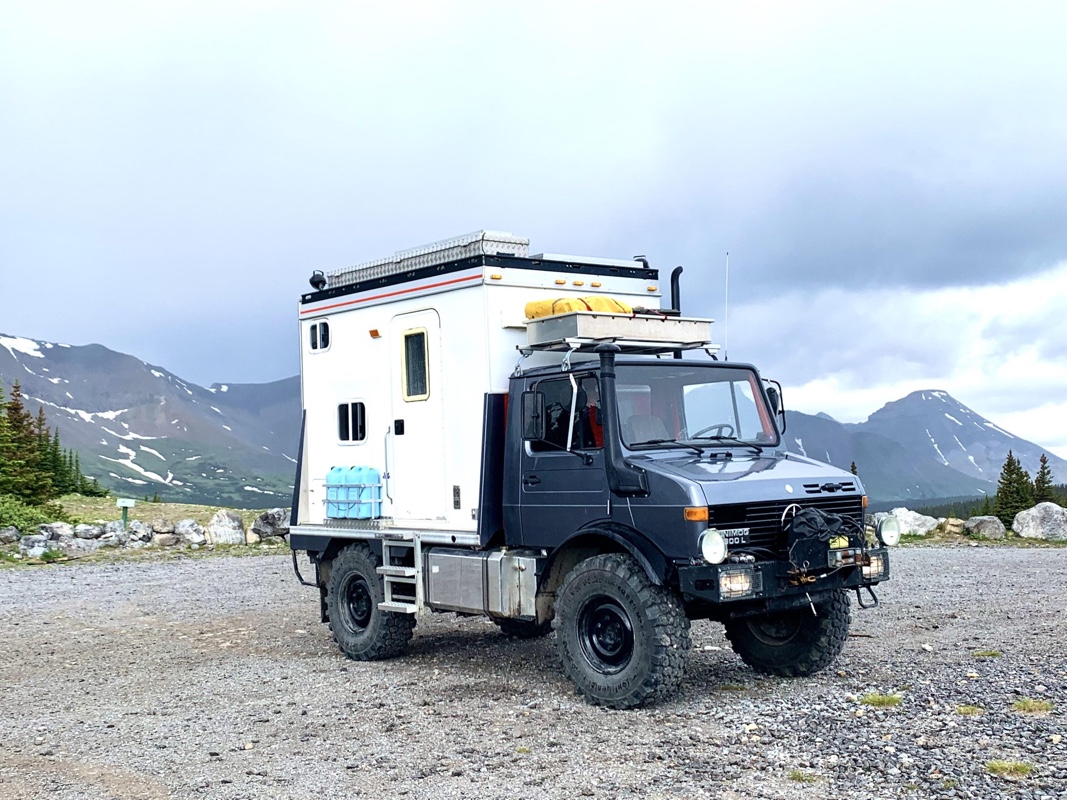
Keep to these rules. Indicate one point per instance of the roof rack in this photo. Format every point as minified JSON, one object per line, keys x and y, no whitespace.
{"x":645,"y":334}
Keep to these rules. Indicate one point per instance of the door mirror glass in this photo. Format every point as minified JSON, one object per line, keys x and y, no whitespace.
{"x":533,"y":416}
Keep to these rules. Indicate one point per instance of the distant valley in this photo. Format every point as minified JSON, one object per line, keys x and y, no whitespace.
{"x":141,"y":430}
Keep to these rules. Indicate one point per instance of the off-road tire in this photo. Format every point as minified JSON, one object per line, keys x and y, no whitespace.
{"x":794,"y":643}
{"x":622,"y":640}
{"x":523,"y":629}
{"x":361,"y":629}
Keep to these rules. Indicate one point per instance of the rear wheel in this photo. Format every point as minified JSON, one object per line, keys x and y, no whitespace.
{"x":793,"y":643}
{"x":362,"y":630}
{"x":622,"y":640}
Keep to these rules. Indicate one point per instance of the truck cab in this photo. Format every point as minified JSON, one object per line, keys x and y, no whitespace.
{"x":627,"y":481}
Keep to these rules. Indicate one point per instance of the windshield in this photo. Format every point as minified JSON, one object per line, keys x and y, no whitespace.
{"x":702,"y":405}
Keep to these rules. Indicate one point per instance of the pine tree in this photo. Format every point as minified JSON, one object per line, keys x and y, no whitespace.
{"x":1015,"y":491}
{"x":28,"y":477}
{"x":853,"y":469}
{"x":987,"y":507}
{"x":1043,"y":492}
{"x":9,"y":464}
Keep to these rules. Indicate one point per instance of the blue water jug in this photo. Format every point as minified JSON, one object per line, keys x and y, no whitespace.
{"x":354,"y":487}
{"x":371,"y":507}
{"x":335,"y":492}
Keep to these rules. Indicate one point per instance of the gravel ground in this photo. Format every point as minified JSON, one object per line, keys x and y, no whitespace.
{"x":212,"y":678}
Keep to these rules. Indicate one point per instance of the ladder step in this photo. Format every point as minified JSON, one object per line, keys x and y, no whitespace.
{"x":400,"y":608}
{"x":397,"y":572}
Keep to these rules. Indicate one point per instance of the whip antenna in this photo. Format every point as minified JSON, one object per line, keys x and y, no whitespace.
{"x":726,"y":314}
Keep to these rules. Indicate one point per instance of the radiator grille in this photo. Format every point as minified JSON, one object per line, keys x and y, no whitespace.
{"x":764,"y":520}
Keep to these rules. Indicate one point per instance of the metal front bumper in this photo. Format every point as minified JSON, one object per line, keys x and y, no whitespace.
{"x":770,"y":580}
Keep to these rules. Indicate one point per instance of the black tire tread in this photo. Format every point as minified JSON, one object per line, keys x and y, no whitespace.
{"x":834,"y":619}
{"x":672,"y":639}
{"x":395,"y":629}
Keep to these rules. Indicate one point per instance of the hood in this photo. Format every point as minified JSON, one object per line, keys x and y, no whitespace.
{"x":752,"y":477}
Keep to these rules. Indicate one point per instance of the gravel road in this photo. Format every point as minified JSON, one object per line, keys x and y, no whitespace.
{"x":212,"y":678}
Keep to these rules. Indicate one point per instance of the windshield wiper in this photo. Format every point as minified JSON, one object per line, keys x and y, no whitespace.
{"x":732,"y":440}
{"x":693,"y":447}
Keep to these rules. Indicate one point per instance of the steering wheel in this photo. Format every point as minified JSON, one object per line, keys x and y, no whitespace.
{"x":721,"y":429}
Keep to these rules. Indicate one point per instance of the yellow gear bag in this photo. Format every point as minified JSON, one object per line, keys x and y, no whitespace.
{"x":536,"y":309}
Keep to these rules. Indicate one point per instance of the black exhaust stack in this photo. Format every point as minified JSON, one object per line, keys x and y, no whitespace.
{"x":676,"y":296}
{"x":624,"y":480}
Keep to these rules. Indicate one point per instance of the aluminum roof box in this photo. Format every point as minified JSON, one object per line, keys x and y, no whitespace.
{"x":651,"y":333}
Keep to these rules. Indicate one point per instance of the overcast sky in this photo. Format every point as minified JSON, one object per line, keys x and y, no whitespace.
{"x":889,"y":179}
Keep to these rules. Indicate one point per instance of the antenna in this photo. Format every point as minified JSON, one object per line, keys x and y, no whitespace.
{"x":726,"y":314}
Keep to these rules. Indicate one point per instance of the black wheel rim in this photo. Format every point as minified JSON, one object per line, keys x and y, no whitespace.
{"x":358,"y":605}
{"x":776,"y":630}
{"x":606,"y":635}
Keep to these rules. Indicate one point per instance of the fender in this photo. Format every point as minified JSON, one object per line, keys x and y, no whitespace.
{"x":652,"y":561}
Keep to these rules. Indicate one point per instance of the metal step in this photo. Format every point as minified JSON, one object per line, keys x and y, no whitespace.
{"x":397,"y":572}
{"x":400,"y":608}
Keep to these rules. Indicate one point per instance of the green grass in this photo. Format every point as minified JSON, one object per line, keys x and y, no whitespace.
{"x":1028,"y":705}
{"x":801,"y":777}
{"x":987,"y":654}
{"x":102,"y":509}
{"x":1009,"y":769}
{"x":881,"y":700}
{"x":969,"y":711}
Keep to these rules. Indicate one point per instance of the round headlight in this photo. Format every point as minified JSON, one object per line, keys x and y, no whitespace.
{"x":713,"y":546}
{"x":889,"y":531}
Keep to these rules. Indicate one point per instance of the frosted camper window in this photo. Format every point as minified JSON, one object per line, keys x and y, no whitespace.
{"x":352,"y":422}
{"x":416,"y":374}
{"x":320,"y":336}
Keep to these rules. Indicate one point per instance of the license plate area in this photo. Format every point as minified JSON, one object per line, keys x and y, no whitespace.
{"x":735,"y":536}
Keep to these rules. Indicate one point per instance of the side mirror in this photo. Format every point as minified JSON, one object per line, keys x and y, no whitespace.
{"x":533,"y":416}
{"x":774,"y":397}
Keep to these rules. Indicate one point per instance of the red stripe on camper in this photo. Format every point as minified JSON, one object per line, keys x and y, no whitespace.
{"x":477,"y":277}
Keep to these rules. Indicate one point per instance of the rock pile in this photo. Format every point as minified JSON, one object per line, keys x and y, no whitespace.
{"x":225,"y":528}
{"x":1046,"y":521}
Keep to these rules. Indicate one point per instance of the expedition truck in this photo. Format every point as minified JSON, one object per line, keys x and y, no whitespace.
{"x":472,"y":444}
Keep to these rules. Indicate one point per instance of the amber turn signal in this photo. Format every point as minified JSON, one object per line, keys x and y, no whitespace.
{"x":696,"y":514}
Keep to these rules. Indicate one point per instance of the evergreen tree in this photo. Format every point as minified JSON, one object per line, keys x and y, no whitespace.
{"x":1043,"y":492}
{"x":853,"y":469}
{"x":1015,"y":491}
{"x":29,"y":478}
{"x":9,"y":464}
{"x":987,"y":507}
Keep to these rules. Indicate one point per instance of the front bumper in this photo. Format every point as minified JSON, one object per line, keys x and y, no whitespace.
{"x":772,"y":580}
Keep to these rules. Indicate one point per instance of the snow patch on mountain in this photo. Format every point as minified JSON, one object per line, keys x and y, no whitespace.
{"x":800,"y":444}
{"x":25,"y":346}
{"x":938,"y":449}
{"x":953,"y":419}
{"x":999,"y":430}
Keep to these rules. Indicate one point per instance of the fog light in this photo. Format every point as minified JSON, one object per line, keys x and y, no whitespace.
{"x":889,"y":531}
{"x":735,"y":583}
{"x":713,"y":546}
{"x":875,"y":569}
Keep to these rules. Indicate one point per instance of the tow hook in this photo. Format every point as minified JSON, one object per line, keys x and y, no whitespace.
{"x":873,"y":603}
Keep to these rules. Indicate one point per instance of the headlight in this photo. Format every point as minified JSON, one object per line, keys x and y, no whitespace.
{"x":735,"y":583}
{"x":713,"y":546}
{"x":876,"y":569}
{"x":889,"y":531}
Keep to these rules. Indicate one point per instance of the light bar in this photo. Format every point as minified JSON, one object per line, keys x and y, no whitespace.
{"x":480,"y":243}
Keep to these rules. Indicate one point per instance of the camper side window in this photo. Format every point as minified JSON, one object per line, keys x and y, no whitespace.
{"x":416,"y":375}
{"x":320,"y":336}
{"x":352,"y":422}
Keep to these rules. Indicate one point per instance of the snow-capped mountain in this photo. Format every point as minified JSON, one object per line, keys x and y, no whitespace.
{"x":139,"y":429}
{"x":924,"y":446}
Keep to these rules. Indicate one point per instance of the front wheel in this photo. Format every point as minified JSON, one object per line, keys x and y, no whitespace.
{"x":362,"y":630}
{"x":622,"y":640}
{"x":794,"y":643}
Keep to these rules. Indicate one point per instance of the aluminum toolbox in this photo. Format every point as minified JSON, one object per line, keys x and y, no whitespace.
{"x":578,"y":330}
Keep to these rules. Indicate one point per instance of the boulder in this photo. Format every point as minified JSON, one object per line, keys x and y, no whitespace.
{"x":190,"y":532}
{"x":953,"y":526}
{"x":226,"y":527}
{"x":251,"y":537}
{"x":36,"y":541}
{"x":88,"y":531}
{"x":165,"y":539}
{"x":56,"y":531}
{"x":986,"y":527}
{"x":114,"y":534}
{"x":273,"y":523}
{"x":139,"y":532}
{"x":1043,"y":521}
{"x":9,"y":535}
{"x":162,"y":526}
{"x":74,"y":545}
{"x":914,"y":523}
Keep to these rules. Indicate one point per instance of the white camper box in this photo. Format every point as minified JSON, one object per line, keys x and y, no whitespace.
{"x":397,"y":356}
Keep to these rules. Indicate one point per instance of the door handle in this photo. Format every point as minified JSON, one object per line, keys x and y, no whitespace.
{"x":531,"y":480}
